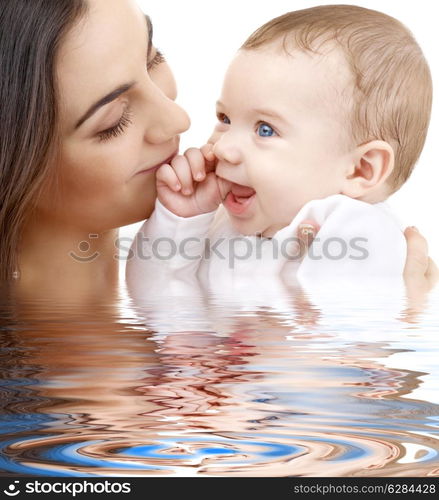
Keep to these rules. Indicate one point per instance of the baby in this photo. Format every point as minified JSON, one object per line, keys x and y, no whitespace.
{"x":323,"y":114}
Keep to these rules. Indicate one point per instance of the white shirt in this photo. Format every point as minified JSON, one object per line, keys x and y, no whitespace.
{"x":359,"y":247}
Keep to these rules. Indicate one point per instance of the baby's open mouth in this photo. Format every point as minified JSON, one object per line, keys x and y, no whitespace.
{"x":239,"y":198}
{"x":242,"y":193}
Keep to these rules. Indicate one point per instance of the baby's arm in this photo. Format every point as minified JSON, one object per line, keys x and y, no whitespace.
{"x":166,"y":254}
{"x":168,"y":249}
{"x":188,"y":185}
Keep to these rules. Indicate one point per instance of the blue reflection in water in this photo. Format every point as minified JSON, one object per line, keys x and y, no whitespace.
{"x":11,"y":424}
{"x":70,"y":455}
{"x":218,"y":451}
{"x":239,"y":447}
{"x":9,"y":465}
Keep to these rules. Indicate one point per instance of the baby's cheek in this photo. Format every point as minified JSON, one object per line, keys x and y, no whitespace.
{"x":284,"y":206}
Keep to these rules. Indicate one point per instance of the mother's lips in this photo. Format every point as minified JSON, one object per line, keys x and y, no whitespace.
{"x":153,"y":168}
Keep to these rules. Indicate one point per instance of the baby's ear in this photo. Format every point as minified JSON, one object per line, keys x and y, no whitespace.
{"x":372,"y":164}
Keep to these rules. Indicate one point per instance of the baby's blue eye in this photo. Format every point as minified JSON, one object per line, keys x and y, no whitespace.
{"x":264,"y":130}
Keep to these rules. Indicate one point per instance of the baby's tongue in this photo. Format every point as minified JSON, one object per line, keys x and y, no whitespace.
{"x":242,"y":191}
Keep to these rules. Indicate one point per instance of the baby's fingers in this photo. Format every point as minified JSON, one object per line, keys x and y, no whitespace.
{"x":196,"y":162}
{"x":166,"y":176}
{"x":209,"y":157}
{"x":182,"y":169}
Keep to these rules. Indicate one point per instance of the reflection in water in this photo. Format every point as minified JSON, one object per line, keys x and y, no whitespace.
{"x":216,"y":385}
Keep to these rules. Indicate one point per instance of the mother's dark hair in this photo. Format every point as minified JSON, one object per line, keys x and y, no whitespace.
{"x":30,"y":34}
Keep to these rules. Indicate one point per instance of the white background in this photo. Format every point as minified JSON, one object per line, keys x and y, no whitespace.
{"x":198,"y":38}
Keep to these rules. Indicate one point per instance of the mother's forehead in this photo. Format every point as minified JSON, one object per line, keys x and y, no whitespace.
{"x":103,"y":29}
{"x":102,"y":50}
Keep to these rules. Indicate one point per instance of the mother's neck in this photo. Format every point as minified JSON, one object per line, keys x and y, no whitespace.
{"x":67,"y":263}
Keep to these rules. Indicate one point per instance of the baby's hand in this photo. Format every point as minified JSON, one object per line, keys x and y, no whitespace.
{"x":189,"y":186}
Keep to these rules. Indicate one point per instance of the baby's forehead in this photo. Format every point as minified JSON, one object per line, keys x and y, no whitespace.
{"x":323,"y":73}
{"x":327,"y":57}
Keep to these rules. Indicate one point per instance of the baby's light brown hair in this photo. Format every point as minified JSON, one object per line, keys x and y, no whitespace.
{"x":392,"y":95}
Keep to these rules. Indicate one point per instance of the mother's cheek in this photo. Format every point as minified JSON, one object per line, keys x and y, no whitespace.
{"x":141,"y":193}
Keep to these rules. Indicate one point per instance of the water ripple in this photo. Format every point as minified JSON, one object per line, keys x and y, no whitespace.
{"x":260,"y":390}
{"x":277,"y":454}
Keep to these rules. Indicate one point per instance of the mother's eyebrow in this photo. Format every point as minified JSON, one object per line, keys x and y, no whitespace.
{"x":121,"y":89}
{"x":105,"y":100}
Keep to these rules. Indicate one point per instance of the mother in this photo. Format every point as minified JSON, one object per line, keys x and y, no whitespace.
{"x":87,"y":113}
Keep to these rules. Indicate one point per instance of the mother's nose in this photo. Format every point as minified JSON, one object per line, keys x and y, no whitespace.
{"x":165,"y":119}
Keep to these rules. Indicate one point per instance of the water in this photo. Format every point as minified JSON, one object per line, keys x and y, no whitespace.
{"x":311,"y":385}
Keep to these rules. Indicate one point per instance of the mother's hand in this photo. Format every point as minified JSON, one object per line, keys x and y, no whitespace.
{"x":420,"y":273}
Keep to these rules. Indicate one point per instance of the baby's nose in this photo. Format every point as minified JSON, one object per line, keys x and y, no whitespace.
{"x":226,"y":151}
